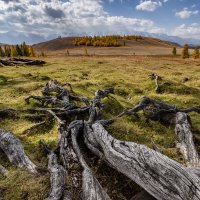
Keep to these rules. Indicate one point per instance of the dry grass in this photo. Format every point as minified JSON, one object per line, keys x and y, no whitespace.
{"x":129,"y":76}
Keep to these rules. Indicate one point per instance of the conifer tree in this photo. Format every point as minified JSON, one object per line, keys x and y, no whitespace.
{"x":174,"y":51}
{"x":19,"y":51}
{"x":7,"y":51}
{"x":25,"y":50}
{"x":196,"y":53}
{"x":2,"y":54}
{"x":185,"y":52}
{"x":86,"y":52}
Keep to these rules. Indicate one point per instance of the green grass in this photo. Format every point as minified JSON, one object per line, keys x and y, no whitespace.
{"x":180,"y":86}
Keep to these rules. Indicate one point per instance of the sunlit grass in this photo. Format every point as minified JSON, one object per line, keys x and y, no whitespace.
{"x":128,"y":75}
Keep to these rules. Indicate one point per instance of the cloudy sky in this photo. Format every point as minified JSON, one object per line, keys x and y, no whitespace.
{"x":38,"y":20}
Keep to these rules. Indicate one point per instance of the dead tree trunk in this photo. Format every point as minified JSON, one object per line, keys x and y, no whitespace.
{"x":14,"y":150}
{"x":163,"y":178}
{"x":185,"y":140}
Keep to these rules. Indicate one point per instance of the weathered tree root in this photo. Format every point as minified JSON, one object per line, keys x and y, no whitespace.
{"x":14,"y":150}
{"x":185,"y":140}
{"x":167,"y":114}
{"x":90,"y":185}
{"x":156,"y":78}
{"x":20,"y":61}
{"x":161,"y":177}
{"x":57,"y":175}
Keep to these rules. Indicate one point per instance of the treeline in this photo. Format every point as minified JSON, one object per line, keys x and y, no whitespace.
{"x":17,"y":50}
{"x":104,"y":41}
{"x":185,"y":52}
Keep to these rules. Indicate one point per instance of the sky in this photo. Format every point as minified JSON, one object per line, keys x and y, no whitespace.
{"x":39,"y":20}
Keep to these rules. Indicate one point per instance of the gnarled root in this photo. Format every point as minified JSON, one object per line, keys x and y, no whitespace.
{"x":14,"y":150}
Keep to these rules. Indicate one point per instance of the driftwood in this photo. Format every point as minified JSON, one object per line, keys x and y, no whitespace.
{"x":14,"y":150}
{"x":20,"y":61}
{"x":159,"y":176}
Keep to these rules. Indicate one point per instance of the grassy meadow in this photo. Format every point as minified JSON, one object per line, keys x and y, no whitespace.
{"x":129,"y":77}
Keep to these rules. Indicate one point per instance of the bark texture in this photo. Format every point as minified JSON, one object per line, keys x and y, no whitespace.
{"x":185,"y":140}
{"x":83,"y":124}
{"x":14,"y":150}
{"x":57,"y":177}
{"x":160,"y":176}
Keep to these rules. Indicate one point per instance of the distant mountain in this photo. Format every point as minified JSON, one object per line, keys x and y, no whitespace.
{"x":30,"y":38}
{"x":181,"y":41}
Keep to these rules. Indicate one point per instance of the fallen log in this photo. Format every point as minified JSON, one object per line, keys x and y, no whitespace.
{"x":20,"y":61}
{"x":14,"y":150}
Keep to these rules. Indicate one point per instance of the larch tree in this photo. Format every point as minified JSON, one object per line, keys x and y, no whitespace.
{"x":31,"y":51}
{"x":185,"y":52}
{"x":196,"y":53}
{"x":2,"y":54}
{"x":174,"y":52}
{"x":13,"y":52}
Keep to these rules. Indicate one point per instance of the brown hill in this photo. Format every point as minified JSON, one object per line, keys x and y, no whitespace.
{"x":55,"y":44}
{"x":67,"y":42}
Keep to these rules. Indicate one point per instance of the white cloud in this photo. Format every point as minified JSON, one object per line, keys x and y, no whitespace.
{"x":188,"y":31}
{"x":149,"y":5}
{"x":56,"y":17}
{"x":185,"y":13}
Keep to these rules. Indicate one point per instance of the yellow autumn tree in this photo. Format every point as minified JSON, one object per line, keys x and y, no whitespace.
{"x":13,"y":52}
{"x":31,"y":51}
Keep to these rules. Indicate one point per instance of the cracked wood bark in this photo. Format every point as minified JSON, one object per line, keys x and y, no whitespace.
{"x":160,"y":176}
{"x":185,"y":140}
{"x":92,"y":189}
{"x":14,"y":150}
{"x":167,"y":114}
{"x":67,"y":153}
{"x":57,"y":177}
